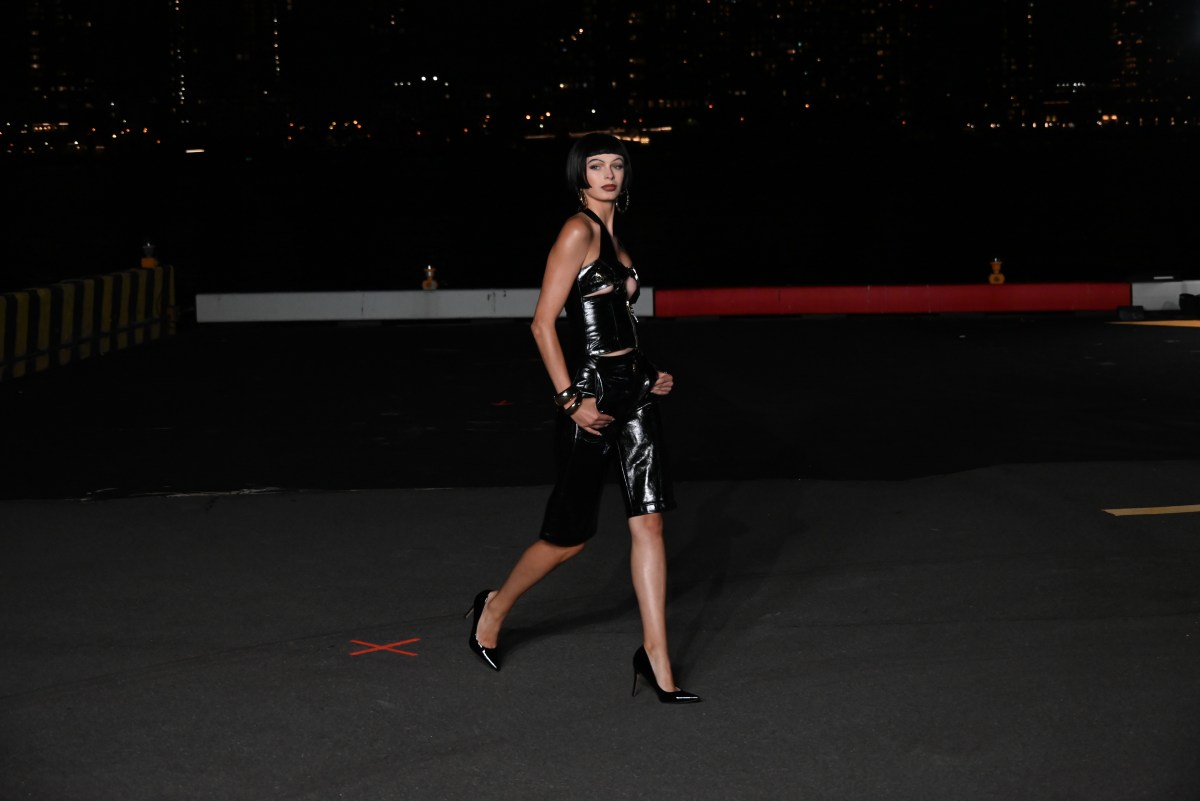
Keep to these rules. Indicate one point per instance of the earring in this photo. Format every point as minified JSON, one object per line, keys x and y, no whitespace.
{"x":582,"y":198}
{"x":623,"y":196}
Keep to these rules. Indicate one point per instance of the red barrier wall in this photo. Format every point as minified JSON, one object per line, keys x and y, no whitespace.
{"x":901,"y":299}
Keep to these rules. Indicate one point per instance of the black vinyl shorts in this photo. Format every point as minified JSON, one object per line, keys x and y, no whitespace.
{"x":621,"y":386}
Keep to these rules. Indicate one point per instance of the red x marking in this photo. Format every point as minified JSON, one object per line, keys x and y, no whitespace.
{"x":391,"y":646}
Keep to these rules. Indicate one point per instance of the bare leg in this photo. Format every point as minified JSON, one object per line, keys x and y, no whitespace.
{"x":533,"y":566}
{"x":648,"y":566}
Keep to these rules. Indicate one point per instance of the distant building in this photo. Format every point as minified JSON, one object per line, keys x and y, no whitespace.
{"x":308,"y":74}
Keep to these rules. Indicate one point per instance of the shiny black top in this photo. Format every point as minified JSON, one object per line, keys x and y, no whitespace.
{"x":599,"y":308}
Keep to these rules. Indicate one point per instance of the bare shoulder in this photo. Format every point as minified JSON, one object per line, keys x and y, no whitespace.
{"x":571,"y":248}
{"x":577,"y":231}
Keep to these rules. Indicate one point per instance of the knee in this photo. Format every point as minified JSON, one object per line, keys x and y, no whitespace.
{"x":647,"y":526}
{"x":569,"y":551}
{"x":563,"y":551}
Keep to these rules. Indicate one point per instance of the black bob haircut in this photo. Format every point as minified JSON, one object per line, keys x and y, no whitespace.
{"x":593,"y":144}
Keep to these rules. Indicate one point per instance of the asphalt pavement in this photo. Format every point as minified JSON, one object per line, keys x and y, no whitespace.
{"x":929,"y":557}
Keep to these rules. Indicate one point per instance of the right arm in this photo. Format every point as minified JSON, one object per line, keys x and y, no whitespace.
{"x":562,"y":268}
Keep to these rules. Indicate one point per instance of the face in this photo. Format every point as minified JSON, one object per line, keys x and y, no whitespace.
{"x":605,"y":175}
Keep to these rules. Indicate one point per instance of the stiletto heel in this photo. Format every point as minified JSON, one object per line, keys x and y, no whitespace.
{"x":489,"y":656}
{"x":642,"y":667}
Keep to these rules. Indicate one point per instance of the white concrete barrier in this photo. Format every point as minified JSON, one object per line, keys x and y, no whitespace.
{"x":440,"y":304}
{"x":1156,"y":296}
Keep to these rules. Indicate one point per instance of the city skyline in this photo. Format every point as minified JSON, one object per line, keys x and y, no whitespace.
{"x":400,"y":69}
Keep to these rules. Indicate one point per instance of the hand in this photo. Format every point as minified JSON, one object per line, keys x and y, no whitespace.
{"x":663,"y":384}
{"x":589,"y":418}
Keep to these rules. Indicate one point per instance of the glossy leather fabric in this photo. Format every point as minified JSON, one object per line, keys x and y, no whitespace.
{"x":603,"y":322}
{"x":621,"y":385}
{"x":599,"y":306}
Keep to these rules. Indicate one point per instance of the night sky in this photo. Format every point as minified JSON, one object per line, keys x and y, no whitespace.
{"x":512,"y":39}
{"x":1085,"y":206}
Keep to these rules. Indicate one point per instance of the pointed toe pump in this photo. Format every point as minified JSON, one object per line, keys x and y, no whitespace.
{"x":642,"y":667}
{"x":489,"y":656}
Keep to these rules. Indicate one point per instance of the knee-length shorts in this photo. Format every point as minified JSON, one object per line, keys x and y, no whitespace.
{"x":621,"y":386}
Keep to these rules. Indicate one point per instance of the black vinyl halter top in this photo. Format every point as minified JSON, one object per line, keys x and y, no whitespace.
{"x":599,"y":307}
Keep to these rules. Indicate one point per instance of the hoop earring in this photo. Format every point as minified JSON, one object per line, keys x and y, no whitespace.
{"x":623,"y":196}
{"x":582,"y":198}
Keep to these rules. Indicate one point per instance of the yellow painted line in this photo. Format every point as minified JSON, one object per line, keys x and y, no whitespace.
{"x":42,"y":342}
{"x":66,"y":331}
{"x":1175,"y":323}
{"x":1155,"y":510}
{"x":124,"y":293}
{"x":86,"y":319}
{"x":21,"y":334}
{"x":105,"y":323}
{"x":3,"y":336}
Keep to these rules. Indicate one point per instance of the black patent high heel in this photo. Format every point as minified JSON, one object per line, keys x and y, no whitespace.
{"x":641,"y":666}
{"x":488,"y":655}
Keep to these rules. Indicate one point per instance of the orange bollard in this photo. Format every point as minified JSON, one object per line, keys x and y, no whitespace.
{"x":148,"y":260}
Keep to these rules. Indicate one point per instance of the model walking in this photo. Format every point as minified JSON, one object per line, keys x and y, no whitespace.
{"x":607,"y":395}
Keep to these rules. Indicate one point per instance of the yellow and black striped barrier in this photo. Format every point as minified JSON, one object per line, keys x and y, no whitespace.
{"x":50,"y":326}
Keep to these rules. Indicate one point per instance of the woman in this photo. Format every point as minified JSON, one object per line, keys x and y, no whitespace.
{"x":607,"y":401}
